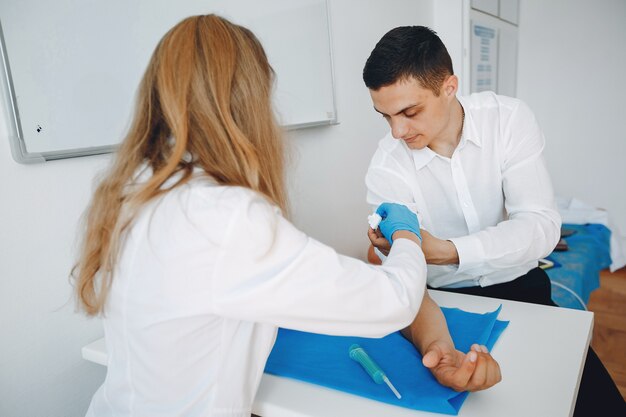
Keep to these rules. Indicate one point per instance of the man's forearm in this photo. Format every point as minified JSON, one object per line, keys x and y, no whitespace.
{"x":445,"y":255}
{"x":438,"y":251}
{"x":429,"y":326}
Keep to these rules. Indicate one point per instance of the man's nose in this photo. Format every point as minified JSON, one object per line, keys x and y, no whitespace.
{"x":399,"y":128}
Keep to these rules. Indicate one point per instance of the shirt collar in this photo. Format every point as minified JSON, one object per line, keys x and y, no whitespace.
{"x":470,"y":133}
{"x":421,"y":157}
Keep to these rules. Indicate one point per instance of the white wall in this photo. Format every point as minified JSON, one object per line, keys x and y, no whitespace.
{"x":41,"y":371}
{"x":329,"y":164}
{"x":451,"y":22}
{"x":572,"y":56}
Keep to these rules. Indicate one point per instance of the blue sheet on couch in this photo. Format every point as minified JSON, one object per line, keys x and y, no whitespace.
{"x":577,"y":270}
{"x":324,"y":360}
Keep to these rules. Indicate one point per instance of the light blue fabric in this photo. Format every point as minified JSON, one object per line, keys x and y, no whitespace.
{"x":324,"y":360}
{"x":577,"y":270}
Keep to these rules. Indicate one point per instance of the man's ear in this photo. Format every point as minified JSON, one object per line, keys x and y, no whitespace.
{"x":451,"y":86}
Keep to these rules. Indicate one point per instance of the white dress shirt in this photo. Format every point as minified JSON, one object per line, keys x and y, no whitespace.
{"x":206,"y":275}
{"x":492,"y":198}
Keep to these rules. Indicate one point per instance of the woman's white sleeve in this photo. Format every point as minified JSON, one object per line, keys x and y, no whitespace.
{"x":269,"y":271}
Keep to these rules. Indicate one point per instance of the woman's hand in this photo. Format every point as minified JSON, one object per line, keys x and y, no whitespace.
{"x":397,"y":217}
{"x":477,"y":370}
{"x":397,"y":222}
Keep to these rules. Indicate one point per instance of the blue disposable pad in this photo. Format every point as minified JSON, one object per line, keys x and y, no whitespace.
{"x":324,"y":360}
{"x":576,"y":271}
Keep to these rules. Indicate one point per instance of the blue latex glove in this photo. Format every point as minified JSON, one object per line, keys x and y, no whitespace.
{"x":397,"y":217}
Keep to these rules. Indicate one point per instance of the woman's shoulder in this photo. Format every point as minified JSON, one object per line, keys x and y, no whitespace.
{"x":214,"y":210}
{"x":206,"y":193}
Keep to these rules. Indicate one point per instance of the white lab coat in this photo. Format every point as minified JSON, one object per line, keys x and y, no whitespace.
{"x":205,"y":277}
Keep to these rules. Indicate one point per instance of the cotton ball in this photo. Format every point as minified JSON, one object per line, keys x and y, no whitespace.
{"x":374,"y":220}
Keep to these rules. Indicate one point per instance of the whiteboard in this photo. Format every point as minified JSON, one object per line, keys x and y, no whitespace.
{"x":72,"y":67}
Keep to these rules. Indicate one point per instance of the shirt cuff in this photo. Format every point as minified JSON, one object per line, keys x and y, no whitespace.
{"x":471,"y":253}
{"x":405,"y":246}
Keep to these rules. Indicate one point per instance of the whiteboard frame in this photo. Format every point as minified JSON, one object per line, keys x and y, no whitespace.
{"x":18,"y":143}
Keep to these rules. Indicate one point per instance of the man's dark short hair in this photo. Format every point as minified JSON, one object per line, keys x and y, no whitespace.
{"x":405,"y":52}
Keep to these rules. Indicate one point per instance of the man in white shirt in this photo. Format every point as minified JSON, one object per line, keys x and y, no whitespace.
{"x":473,"y":170}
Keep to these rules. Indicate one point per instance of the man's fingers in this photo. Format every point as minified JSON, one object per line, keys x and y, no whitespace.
{"x":474,"y":371}
{"x":479,"y":348}
{"x":431,"y":358}
{"x":373,"y":236}
{"x":461,"y":377}
{"x":486,"y":374}
{"x":377,"y":240}
{"x":479,"y":377}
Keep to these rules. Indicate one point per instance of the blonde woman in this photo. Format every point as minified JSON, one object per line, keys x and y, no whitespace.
{"x":192,"y":266}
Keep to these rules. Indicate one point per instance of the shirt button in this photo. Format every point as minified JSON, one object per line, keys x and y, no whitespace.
{"x":465,"y":205}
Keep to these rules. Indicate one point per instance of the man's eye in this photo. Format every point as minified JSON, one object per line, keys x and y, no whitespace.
{"x":410,"y":115}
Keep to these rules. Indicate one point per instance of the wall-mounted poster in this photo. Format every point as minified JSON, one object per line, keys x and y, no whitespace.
{"x":484,"y":58}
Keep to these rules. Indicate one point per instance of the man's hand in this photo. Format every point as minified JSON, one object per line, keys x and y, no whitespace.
{"x":437,"y":251}
{"x":474,"y":371}
{"x":379,"y":241}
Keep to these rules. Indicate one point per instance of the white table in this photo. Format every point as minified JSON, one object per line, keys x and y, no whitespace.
{"x":541,"y":355}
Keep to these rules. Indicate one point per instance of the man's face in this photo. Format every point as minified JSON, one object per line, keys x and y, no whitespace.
{"x":413,"y":112}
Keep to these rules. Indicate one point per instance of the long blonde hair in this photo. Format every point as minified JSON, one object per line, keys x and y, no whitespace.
{"x":204,"y":101}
